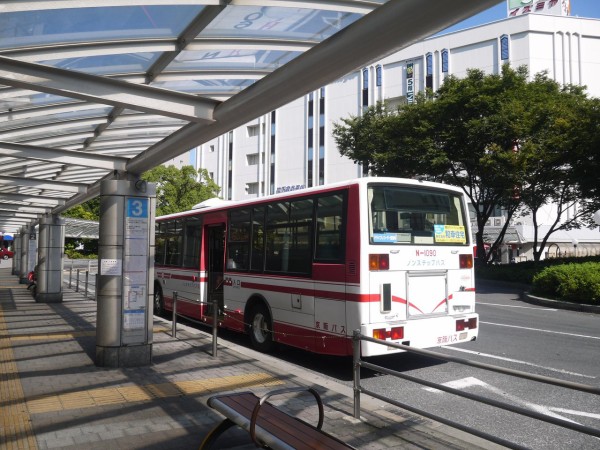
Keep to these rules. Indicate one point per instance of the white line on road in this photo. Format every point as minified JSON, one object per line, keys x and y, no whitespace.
{"x":566,"y":372}
{"x":515,"y":306}
{"x":543,"y":331}
{"x":516,"y":400}
{"x":576,"y":413}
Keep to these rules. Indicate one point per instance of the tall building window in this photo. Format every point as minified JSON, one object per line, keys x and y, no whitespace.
{"x":272,"y":174}
{"x":365,"y":88}
{"x":444,"y":61}
{"x":310,"y":139}
{"x":504,"y":54}
{"x":429,"y":71}
{"x":322,"y":136}
{"x":378,"y":76}
{"x":230,"y":167}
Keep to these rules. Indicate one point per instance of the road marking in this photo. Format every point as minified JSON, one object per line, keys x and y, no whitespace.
{"x":502,"y":358}
{"x":542,"y":409}
{"x":576,"y":413}
{"x":515,"y":306}
{"x":543,"y":331}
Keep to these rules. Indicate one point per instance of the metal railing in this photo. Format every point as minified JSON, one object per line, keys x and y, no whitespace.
{"x":80,"y":275}
{"x":215,"y":324}
{"x":358,"y":363}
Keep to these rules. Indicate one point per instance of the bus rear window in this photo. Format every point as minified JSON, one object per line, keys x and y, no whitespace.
{"x":404,"y":215}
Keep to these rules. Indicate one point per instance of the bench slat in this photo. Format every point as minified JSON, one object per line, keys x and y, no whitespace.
{"x":288,"y":431}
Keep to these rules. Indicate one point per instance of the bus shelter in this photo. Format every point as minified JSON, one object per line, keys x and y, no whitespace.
{"x":92,"y":94}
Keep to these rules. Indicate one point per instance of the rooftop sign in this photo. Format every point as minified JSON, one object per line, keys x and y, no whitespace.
{"x":554,"y":7}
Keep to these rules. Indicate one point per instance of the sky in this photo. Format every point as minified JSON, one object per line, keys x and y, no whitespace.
{"x":581,"y":8}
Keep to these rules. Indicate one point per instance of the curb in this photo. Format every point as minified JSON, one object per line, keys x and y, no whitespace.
{"x":581,"y":307}
{"x":529,"y":298}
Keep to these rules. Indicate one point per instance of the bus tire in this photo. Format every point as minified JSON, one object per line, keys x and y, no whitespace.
{"x":159,"y":302}
{"x":261,"y":328}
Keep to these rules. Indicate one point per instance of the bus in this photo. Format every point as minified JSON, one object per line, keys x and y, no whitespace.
{"x":390,"y":257}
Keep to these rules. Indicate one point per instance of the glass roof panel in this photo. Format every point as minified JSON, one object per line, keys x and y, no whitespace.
{"x":231,"y":59}
{"x":48,"y":99}
{"x":107,"y":64}
{"x":43,"y":27}
{"x":206,"y":87}
{"x":45,"y":116}
{"x":278,"y":23}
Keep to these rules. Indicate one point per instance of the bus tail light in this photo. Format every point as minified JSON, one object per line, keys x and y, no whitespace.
{"x":394,"y":334}
{"x":465,"y":261}
{"x":379,"y":262}
{"x":470,"y":324}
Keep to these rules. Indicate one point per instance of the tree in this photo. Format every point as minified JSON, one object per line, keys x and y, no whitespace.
{"x":483,"y":133}
{"x":556,"y":158}
{"x":178,"y":189}
{"x":457,"y":135}
{"x":89,"y":210}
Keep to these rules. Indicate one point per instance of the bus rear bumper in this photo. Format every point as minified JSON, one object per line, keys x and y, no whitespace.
{"x":420,"y":333}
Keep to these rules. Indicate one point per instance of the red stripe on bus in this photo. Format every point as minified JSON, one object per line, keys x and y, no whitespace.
{"x":439,"y":304}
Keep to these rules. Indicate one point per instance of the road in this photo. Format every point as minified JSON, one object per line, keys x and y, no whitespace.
{"x":513,"y":334}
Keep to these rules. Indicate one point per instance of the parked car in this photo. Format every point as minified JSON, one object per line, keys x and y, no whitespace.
{"x":5,"y":254}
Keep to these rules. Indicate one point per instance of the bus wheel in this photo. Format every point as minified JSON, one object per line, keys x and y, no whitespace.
{"x":261,"y":328}
{"x":159,"y":303}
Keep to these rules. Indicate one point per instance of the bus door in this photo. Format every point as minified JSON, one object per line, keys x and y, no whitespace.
{"x":216,"y":256}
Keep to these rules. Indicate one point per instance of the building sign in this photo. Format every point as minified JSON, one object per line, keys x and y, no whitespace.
{"x":293,"y":187}
{"x":554,"y":7}
{"x":410,"y":83}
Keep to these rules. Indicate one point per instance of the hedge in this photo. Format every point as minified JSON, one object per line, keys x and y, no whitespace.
{"x":579,"y":283}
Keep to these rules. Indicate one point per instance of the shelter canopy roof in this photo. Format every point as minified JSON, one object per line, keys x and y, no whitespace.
{"x":93,"y":90}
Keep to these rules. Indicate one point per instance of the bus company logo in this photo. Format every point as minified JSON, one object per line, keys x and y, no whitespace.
{"x":331,"y":327}
{"x":447,"y":339}
{"x":232,"y":282}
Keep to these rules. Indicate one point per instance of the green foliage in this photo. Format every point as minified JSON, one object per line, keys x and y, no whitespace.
{"x":506,"y":141}
{"x":178,"y":189}
{"x":76,"y":248}
{"x":74,"y":254}
{"x":89,"y":210}
{"x":579,"y":283}
{"x":543,"y":281}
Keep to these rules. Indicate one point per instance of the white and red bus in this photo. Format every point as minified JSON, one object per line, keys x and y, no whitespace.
{"x":391,"y":257}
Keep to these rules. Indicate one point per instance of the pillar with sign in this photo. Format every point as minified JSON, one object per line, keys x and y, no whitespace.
{"x":125,"y":273}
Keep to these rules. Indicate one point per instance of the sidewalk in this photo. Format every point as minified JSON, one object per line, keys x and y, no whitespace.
{"x":53,"y":396}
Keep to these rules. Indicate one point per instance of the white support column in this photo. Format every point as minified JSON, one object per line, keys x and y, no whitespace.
{"x":16,"y":263}
{"x":50,"y":262}
{"x":28,"y":252}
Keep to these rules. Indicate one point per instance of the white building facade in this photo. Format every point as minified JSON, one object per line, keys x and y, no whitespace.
{"x":293,"y":147}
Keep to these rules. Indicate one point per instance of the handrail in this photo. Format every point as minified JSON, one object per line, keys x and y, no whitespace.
{"x":358,"y":363}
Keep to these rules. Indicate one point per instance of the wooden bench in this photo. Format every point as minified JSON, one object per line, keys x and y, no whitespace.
{"x":270,"y":427}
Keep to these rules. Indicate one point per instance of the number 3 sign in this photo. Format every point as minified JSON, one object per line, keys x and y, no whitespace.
{"x":137,"y":208}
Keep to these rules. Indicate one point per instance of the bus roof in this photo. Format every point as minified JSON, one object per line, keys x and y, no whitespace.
{"x":215,"y":204}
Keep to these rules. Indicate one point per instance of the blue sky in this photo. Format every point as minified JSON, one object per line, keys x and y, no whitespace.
{"x":581,"y":8}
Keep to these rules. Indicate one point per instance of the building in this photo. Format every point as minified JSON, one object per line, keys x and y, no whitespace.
{"x":292,"y":147}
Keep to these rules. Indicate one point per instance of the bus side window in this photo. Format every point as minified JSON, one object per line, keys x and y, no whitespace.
{"x":330,"y":229}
